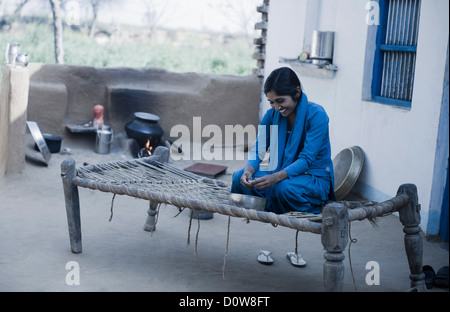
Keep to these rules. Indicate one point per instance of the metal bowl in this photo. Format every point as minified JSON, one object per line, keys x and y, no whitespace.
{"x":22,"y":60}
{"x":347,"y":167}
{"x":248,"y":201}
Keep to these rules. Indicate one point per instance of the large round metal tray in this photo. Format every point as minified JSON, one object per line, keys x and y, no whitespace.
{"x":347,"y":166}
{"x":39,"y":140}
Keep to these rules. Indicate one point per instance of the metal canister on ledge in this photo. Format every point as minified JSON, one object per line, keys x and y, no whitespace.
{"x":103,"y":139}
{"x":12,"y":51}
{"x":22,"y":60}
{"x":322,"y":47}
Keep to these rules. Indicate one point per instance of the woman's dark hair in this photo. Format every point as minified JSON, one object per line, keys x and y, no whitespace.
{"x":283,"y":81}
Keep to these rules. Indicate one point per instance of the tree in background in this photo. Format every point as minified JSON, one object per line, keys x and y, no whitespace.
{"x":91,"y":10}
{"x":58,"y":31}
{"x":159,"y":11}
{"x":241,"y":13}
{"x":95,"y":4}
{"x":19,"y":8}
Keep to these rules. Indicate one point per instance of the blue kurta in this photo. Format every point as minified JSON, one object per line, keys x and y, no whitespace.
{"x":305,"y":155}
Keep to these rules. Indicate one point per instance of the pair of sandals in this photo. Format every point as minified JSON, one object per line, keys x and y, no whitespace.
{"x":264,"y":257}
{"x":433,"y":279}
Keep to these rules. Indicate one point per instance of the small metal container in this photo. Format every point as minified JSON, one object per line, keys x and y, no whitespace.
{"x":322,"y":47}
{"x":22,"y":60}
{"x":103,"y":139}
{"x":12,"y":50}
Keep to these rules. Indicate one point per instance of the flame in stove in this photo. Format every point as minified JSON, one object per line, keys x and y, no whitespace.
{"x":147,"y":149}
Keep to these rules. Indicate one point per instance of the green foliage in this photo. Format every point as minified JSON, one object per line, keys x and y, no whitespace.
{"x":176,"y":51}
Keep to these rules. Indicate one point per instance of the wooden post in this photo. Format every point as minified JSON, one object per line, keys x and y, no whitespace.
{"x":150,"y":223}
{"x":334,"y":239}
{"x":161,"y":154}
{"x":68,"y":173}
{"x":410,"y":218}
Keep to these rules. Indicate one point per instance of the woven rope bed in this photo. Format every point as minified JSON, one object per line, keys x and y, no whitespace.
{"x":153,"y":179}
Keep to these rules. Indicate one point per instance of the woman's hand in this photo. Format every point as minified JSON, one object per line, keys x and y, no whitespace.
{"x":246,"y":178}
{"x":269,"y":180}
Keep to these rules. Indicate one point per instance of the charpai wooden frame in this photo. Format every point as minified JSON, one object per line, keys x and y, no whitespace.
{"x":153,"y":179}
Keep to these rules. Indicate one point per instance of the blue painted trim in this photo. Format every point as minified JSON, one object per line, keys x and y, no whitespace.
{"x":380,"y":39}
{"x":388,"y":101}
{"x":387,"y":47}
{"x":443,"y":224}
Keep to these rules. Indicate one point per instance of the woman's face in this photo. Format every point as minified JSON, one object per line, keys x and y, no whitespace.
{"x":282,"y":103}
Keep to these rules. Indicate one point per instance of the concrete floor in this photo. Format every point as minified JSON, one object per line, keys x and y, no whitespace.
{"x":118,"y":255}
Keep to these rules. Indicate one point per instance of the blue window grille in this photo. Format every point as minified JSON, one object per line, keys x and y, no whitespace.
{"x":395,"y":55}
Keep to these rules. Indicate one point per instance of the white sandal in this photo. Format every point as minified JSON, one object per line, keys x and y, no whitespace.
{"x":296,"y":259}
{"x":264,"y":257}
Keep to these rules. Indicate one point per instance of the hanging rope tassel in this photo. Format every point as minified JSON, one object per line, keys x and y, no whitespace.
{"x":180,"y":210}
{"x":226,"y":249}
{"x":189,"y":229}
{"x":112,"y":204}
{"x":196,"y":236}
{"x":352,"y":240}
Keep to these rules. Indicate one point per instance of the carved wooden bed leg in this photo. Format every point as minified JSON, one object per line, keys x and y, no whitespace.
{"x":334,"y":239}
{"x":68,"y":173}
{"x":150,"y":223}
{"x":410,"y":218}
{"x":162,"y":154}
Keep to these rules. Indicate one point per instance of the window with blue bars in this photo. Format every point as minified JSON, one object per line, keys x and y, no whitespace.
{"x":395,"y":55}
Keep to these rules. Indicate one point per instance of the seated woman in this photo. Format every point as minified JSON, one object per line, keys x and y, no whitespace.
{"x":300,"y":175}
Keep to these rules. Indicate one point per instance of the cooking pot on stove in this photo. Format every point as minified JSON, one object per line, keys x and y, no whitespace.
{"x":144,"y":127}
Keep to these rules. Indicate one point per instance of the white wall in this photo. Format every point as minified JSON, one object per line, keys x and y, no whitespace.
{"x":285,"y":33}
{"x":399,"y":144}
